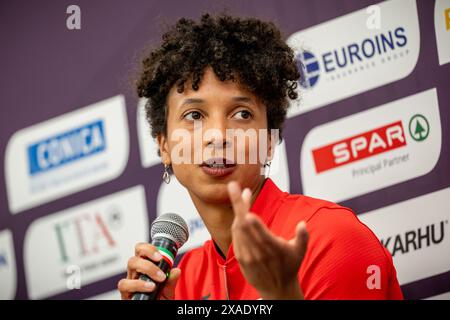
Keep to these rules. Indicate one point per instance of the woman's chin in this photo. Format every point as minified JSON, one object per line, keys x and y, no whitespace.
{"x":214,"y":194}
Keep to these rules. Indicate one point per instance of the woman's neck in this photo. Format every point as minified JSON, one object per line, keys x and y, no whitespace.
{"x":218,"y":218}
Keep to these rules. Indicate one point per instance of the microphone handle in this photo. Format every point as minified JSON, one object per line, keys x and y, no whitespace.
{"x":168,"y":250}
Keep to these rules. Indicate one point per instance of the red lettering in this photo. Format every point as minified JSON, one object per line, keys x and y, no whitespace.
{"x":359,"y":147}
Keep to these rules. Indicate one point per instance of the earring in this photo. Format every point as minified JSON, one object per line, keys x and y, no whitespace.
{"x":166,"y":174}
{"x":268,"y":168}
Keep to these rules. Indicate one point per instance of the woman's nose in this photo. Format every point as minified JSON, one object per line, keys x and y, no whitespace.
{"x":215,"y":134}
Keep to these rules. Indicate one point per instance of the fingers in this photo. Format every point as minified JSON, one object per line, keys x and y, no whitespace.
{"x":300,"y":240}
{"x":240,"y":201}
{"x":255,"y":223}
{"x":248,"y":242}
{"x":259,"y":232}
{"x":128,"y":287}
{"x":168,"y":293}
{"x":146,"y":250}
{"x":146,"y":255}
{"x":138,"y":265}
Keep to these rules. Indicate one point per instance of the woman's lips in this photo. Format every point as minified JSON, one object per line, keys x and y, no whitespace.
{"x":218,"y":167}
{"x":218,"y":160}
{"x":218,"y":172}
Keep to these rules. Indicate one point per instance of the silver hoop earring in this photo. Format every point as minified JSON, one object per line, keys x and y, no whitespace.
{"x":268,"y":168}
{"x":166,"y":174}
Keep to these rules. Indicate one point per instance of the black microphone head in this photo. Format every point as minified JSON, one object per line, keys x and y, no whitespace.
{"x":172,"y":226}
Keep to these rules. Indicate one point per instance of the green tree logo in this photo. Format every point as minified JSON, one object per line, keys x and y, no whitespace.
{"x":419,"y":127}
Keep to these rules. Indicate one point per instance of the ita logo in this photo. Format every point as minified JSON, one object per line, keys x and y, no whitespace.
{"x":419,"y":127}
{"x":309,"y":69}
{"x":86,"y":235}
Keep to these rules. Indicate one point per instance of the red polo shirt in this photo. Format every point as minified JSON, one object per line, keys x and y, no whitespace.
{"x":344,"y":259}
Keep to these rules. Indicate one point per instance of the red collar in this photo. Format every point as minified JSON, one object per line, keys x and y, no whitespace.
{"x":265,"y":206}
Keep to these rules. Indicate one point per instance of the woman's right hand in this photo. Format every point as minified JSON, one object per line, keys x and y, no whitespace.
{"x":143,"y":262}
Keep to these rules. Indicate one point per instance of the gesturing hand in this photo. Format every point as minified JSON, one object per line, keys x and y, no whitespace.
{"x":268,"y":262}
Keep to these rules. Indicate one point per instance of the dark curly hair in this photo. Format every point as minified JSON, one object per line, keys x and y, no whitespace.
{"x":247,"y":50}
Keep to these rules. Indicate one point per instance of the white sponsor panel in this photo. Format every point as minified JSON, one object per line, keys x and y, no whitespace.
{"x":279,"y":168}
{"x":8,"y":274}
{"x":87,"y":243}
{"x":184,"y":206}
{"x":147,"y":145}
{"x":66,"y":154}
{"x":442,"y":29}
{"x":373,"y":149}
{"x":350,"y":54}
{"x":416,"y":232}
{"x":110,"y":295}
{"x":443,"y":296}
{"x":174,"y":198}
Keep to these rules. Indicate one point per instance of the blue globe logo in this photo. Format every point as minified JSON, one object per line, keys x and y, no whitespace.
{"x":308,"y":66}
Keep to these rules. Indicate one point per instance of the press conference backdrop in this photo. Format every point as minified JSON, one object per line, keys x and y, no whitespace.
{"x":81,"y":179}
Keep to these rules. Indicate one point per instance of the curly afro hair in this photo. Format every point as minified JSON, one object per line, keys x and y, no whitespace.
{"x":247,"y":50}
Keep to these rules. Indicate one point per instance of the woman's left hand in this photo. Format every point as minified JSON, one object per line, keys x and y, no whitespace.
{"x":268,"y":262}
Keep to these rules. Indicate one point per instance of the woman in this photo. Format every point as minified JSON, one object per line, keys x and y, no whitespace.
{"x":225,"y":74}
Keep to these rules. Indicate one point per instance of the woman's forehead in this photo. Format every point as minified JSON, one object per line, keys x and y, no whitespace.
{"x":211,"y":88}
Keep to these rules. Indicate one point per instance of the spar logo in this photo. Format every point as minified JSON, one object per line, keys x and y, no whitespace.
{"x":419,"y":127}
{"x":66,"y":147}
{"x":370,"y":143}
{"x":308,"y":66}
{"x":417,"y":239}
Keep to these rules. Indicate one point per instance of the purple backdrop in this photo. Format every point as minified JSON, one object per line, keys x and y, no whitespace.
{"x":48,"y":70}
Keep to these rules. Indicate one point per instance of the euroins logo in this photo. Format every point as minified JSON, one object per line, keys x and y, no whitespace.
{"x":370,"y":143}
{"x":66,"y":147}
{"x":308,"y":67}
{"x":352,"y":58}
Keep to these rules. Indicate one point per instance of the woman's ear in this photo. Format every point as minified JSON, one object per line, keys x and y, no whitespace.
{"x":272,"y":140}
{"x":163,"y":149}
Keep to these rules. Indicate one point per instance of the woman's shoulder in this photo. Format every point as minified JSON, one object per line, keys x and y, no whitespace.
{"x":301,"y":207}
{"x":327,"y":220}
{"x":290,"y":205}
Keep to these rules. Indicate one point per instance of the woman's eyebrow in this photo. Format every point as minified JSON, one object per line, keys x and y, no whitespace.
{"x":192,"y":101}
{"x":242,"y":99}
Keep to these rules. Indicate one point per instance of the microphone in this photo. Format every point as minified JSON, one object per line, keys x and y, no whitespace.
{"x":168,"y":233}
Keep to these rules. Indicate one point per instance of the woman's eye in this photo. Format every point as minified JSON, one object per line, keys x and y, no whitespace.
{"x":193,"y":116}
{"x":244,"y":114}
